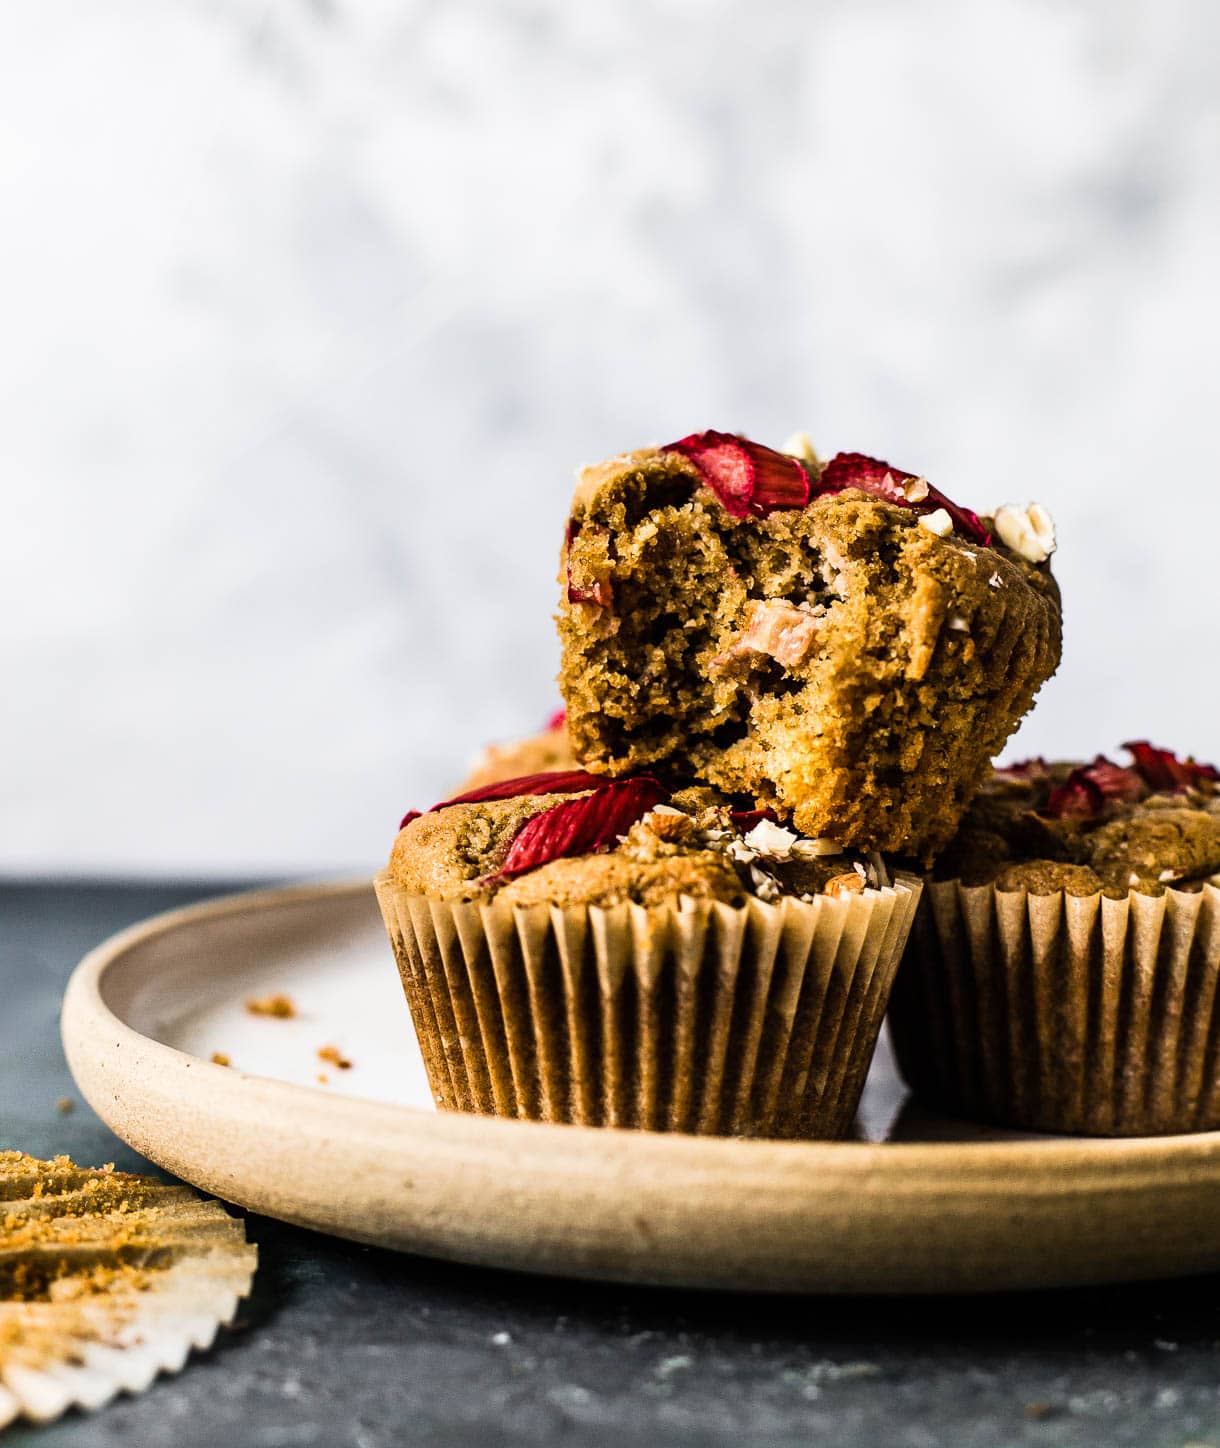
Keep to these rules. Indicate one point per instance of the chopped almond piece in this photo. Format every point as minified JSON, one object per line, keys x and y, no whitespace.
{"x":669,"y":825}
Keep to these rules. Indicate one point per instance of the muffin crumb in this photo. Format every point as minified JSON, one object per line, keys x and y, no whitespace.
{"x":277,"y":1005}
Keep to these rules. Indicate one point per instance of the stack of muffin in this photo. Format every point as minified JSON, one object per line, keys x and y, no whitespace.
{"x":688,"y":905}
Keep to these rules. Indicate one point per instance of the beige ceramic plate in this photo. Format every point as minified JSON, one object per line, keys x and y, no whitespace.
{"x":923,"y":1206}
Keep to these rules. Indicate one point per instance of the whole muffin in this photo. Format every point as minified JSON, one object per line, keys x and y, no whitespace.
{"x":840,"y":642}
{"x":579,"y":949}
{"x":1062,"y":972}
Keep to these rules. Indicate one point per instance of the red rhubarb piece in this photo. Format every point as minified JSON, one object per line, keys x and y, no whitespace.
{"x":1114,"y":781}
{"x":580,"y":826}
{"x":748,"y":478}
{"x":1027,"y":771}
{"x":871,"y":475}
{"x":551,"y":781}
{"x":1162,"y":770}
{"x":558,"y":719}
{"x":746,"y":819}
{"x":1077,"y":798}
{"x":601,"y":594}
{"x":1084,"y":793}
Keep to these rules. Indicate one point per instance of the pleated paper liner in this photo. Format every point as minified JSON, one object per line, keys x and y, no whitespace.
{"x":106,"y":1280}
{"x":1075,"y":1014}
{"x":759,"y":1020}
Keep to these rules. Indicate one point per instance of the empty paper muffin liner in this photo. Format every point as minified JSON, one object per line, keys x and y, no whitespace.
{"x":759,"y":1020}
{"x":1064,"y":1013}
{"x":106,"y":1280}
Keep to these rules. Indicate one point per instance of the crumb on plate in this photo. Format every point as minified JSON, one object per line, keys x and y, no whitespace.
{"x":279,"y":1005}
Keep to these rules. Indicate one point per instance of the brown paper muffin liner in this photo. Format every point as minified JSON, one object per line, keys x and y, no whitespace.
{"x":759,"y":1020}
{"x":1076,"y":1014}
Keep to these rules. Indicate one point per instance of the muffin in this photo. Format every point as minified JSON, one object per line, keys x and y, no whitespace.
{"x":606,"y":952}
{"x":1062,"y":972}
{"x":841,"y":643}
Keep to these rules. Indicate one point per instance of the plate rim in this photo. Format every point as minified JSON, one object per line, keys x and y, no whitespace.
{"x":104,"y":1052}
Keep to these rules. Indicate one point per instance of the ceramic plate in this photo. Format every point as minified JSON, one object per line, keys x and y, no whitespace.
{"x":918,"y":1204}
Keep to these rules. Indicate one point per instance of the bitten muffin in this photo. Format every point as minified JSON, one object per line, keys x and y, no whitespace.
{"x":1062,"y":972}
{"x":580,"y":949}
{"x":841,"y":643}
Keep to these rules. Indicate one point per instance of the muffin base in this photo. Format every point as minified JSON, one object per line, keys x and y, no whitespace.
{"x":1075,"y":1014}
{"x":698,"y":1017}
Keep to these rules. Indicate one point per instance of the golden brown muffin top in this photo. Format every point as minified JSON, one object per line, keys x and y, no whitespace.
{"x":1044,"y":827}
{"x":616,"y":841}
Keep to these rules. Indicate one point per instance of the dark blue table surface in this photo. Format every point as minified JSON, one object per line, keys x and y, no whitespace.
{"x":346,"y":1345}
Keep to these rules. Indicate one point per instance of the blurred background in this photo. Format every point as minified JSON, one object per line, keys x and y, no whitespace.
{"x":310,"y":309}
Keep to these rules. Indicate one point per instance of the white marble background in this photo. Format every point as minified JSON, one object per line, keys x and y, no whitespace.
{"x":307,"y":311}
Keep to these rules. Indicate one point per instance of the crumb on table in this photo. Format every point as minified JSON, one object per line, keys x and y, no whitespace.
{"x":221,"y":1058}
{"x":335,"y":1056}
{"x":277,"y":1004}
{"x":65,"y":1105}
